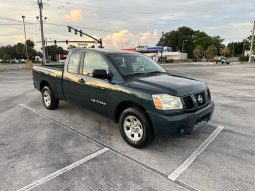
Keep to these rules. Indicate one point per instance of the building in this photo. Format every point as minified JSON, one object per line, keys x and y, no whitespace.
{"x":154,"y":52}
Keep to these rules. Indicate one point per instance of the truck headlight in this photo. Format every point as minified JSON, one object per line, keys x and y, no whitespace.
{"x":167,"y":102}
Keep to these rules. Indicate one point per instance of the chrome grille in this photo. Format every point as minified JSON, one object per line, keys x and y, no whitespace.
{"x":195,"y":101}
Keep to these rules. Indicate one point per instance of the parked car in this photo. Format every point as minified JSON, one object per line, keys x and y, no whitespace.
{"x":21,"y":61}
{"x":129,"y":88}
{"x":222,"y":60}
{"x":62,"y":61}
{"x":14,"y":61}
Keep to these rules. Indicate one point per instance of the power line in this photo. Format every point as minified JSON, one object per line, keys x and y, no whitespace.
{"x":112,"y":11}
{"x":71,"y":4}
{"x":8,"y":24}
{"x":14,"y":20}
{"x":83,"y":27}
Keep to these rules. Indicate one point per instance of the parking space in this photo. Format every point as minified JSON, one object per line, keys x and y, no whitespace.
{"x":31,"y":149}
{"x":107,"y":132}
{"x":36,"y":142}
{"x":109,"y":172}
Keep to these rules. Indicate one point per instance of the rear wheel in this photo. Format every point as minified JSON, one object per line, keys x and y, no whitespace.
{"x":49,"y":101}
{"x":135,"y":127}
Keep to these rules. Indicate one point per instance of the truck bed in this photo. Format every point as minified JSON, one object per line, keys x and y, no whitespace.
{"x":52,"y":74}
{"x":55,"y":66}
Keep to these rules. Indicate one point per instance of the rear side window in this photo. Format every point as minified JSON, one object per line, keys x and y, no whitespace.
{"x":93,"y":62}
{"x":74,"y":61}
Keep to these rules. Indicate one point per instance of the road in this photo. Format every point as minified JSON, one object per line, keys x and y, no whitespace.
{"x":72,"y":148}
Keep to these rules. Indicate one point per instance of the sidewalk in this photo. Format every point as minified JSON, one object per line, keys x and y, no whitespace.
{"x":198,"y":64}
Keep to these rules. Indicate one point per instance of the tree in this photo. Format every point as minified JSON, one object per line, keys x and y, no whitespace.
{"x":198,"y":51}
{"x":211,"y":52}
{"x":6,"y":56}
{"x":30,"y":48}
{"x":225,"y":51}
{"x":53,"y":50}
{"x":20,"y":50}
{"x":192,"y":38}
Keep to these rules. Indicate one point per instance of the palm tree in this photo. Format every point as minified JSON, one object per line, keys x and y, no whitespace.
{"x":198,"y":51}
{"x":211,"y":52}
{"x":225,"y":51}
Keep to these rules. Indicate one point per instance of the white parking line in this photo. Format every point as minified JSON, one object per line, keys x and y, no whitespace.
{"x":131,"y":159}
{"x":175,"y":174}
{"x":149,"y":168}
{"x":61,"y":171}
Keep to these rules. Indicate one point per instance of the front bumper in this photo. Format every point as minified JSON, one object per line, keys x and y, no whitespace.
{"x":181,"y":124}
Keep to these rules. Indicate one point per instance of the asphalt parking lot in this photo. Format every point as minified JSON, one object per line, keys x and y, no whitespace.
{"x":72,"y":148}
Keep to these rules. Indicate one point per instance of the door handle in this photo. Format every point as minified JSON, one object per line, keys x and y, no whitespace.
{"x":81,"y":81}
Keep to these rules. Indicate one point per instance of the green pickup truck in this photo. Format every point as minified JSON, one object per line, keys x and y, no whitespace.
{"x":129,"y":88}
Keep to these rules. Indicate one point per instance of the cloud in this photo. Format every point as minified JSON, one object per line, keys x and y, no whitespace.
{"x":125,"y":39}
{"x":75,"y":15}
{"x":240,"y":24}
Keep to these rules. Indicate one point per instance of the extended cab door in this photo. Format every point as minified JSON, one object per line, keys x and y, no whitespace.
{"x":71,"y":78}
{"x":96,"y":90}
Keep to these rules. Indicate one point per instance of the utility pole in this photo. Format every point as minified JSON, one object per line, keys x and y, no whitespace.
{"x":233,"y":51}
{"x":161,"y":57}
{"x":40,"y":4}
{"x":243,"y":47}
{"x":252,"y":40}
{"x":183,"y":47}
{"x":23,"y":17}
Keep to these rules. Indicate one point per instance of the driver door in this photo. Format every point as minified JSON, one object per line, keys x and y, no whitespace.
{"x":95,"y":91}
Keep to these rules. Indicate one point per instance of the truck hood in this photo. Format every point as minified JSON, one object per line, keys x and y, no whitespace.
{"x":164,"y":83}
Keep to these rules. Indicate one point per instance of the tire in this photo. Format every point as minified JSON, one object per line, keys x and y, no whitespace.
{"x":135,"y":127}
{"x":49,"y":100}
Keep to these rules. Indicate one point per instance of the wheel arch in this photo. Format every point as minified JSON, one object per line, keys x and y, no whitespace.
{"x":44,"y":83}
{"x":128,"y":104}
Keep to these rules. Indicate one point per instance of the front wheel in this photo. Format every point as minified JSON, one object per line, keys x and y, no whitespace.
{"x":49,"y":101}
{"x":135,"y":127}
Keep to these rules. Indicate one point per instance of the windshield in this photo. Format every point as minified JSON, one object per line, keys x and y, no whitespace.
{"x":134,"y":64}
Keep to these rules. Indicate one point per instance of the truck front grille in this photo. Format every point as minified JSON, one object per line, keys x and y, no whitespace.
{"x":188,"y":102}
{"x":209,"y":94}
{"x":196,"y":101}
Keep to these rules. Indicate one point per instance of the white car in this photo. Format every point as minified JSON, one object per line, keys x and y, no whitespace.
{"x":62,"y":61}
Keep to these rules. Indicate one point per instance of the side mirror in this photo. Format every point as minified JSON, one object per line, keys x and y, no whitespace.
{"x":101,"y":74}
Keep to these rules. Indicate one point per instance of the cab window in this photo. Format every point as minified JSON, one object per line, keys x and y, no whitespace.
{"x":73,"y":64}
{"x":92,"y":62}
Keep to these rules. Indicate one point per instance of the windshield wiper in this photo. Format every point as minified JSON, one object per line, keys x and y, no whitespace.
{"x":136,"y":74}
{"x":156,"y":72}
{"x":146,"y":73}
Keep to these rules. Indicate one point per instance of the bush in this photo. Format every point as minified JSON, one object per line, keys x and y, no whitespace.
{"x":243,"y":58}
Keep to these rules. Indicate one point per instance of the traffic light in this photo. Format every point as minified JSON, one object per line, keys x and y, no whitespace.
{"x":55,"y":42}
{"x":66,"y":41}
{"x":80,"y":33}
{"x":69,"y":28}
{"x":75,"y":32}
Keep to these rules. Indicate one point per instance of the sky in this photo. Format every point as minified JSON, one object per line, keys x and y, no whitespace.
{"x":128,"y":23}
